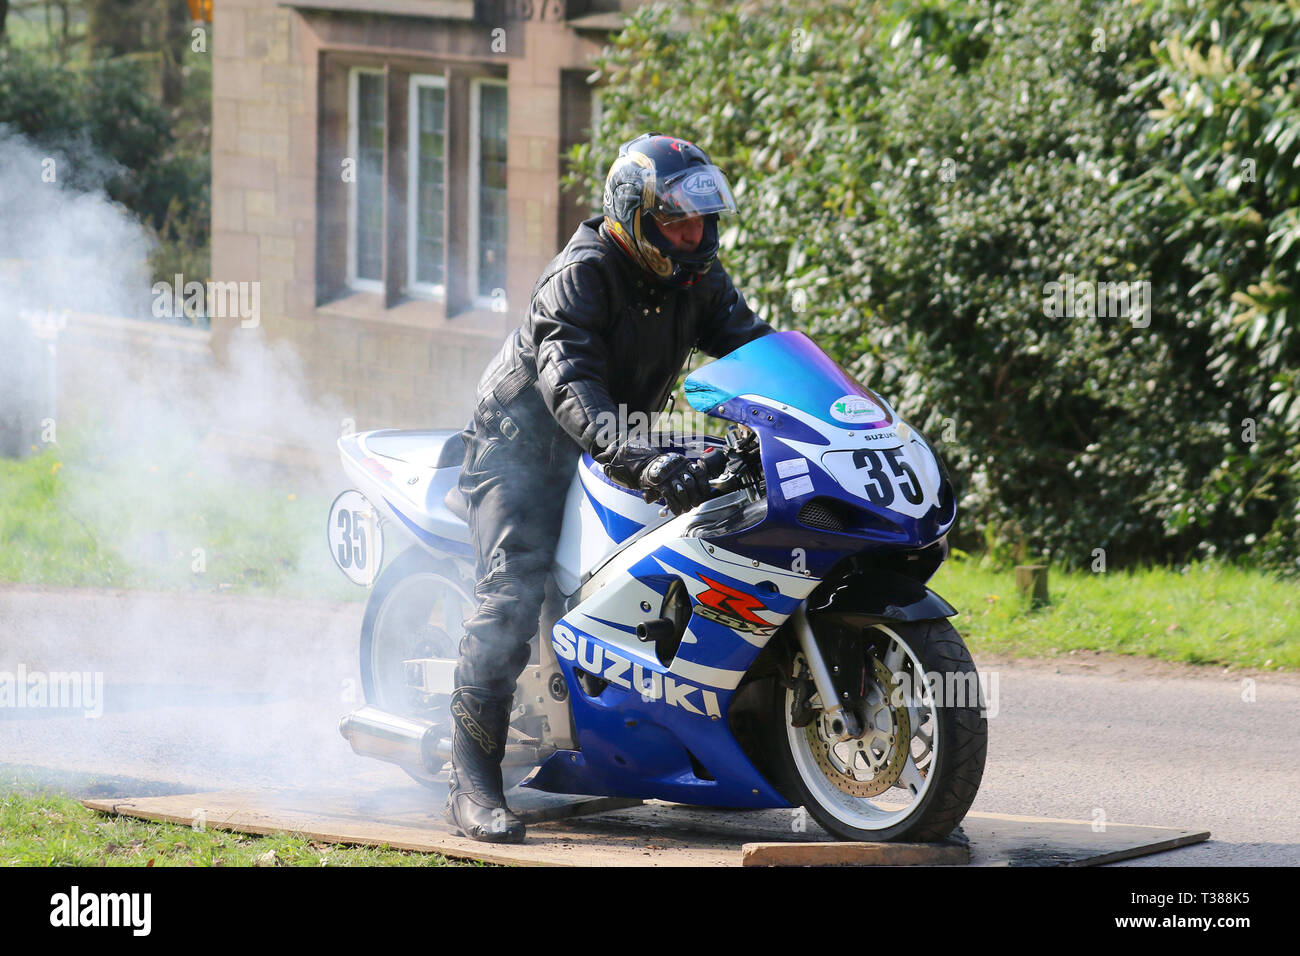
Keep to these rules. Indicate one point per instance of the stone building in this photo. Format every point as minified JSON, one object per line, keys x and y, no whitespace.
{"x":388,"y":171}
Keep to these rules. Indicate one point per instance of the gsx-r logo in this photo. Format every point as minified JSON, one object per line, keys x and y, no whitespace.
{"x":732,"y":608}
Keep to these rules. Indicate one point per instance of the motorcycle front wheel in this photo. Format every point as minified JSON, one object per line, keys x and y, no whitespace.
{"x":914,"y":770}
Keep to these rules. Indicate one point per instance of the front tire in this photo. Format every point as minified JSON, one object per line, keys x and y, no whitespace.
{"x":916,"y":768}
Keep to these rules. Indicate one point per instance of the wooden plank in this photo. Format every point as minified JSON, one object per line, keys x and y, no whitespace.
{"x":1002,"y":839}
{"x":1144,"y":849}
{"x":578,"y":831}
{"x":355,"y":833}
{"x":854,"y":854}
{"x":383,"y":819}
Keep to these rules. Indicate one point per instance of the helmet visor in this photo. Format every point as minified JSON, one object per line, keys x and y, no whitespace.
{"x":696,"y":191}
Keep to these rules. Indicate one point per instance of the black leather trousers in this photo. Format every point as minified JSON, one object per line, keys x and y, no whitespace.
{"x":516,"y":490}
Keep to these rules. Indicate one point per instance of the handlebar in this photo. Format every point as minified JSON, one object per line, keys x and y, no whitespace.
{"x":711,"y":464}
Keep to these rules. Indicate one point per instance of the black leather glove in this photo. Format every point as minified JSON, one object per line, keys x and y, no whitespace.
{"x":671,"y":477}
{"x":624,"y":462}
{"x":658,"y":474}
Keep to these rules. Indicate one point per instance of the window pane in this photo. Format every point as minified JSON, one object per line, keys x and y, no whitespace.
{"x":492,"y":189}
{"x":430,"y":166}
{"x":370,"y":175}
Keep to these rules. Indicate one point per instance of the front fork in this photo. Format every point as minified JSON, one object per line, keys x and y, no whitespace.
{"x":840,"y":720}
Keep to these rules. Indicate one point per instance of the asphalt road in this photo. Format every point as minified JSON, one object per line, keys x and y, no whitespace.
{"x":204,"y":691}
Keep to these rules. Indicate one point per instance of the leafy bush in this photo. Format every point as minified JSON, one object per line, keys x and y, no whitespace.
{"x":1222,"y":186}
{"x":108,"y":131}
{"x":914,"y":177}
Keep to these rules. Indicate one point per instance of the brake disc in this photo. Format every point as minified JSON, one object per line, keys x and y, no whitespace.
{"x":867,"y":765}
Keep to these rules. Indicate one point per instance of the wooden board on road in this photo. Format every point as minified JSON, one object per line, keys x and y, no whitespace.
{"x":593,"y":831}
{"x":854,"y":854}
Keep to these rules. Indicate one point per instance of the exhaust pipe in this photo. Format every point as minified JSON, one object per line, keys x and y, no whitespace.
{"x":405,"y":741}
{"x":413,"y":742}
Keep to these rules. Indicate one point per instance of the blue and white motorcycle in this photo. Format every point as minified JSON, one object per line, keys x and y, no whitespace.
{"x":776,"y":646}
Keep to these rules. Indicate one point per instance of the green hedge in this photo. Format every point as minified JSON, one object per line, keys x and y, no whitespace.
{"x":104,"y":123}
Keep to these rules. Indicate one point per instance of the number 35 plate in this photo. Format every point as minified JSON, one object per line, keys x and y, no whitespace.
{"x":356,"y":543}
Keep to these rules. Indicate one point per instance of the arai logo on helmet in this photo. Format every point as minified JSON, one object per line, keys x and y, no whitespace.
{"x":700,"y":184}
{"x":855,"y":408}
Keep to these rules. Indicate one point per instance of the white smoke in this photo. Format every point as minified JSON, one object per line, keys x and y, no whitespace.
{"x":201,"y":687}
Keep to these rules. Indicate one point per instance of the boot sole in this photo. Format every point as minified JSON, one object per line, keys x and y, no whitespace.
{"x":504,"y":836}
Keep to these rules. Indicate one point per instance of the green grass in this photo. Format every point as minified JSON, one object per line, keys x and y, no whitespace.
{"x":1203,"y":614}
{"x":72,"y":517}
{"x":40,"y":826}
{"x":44,"y":829}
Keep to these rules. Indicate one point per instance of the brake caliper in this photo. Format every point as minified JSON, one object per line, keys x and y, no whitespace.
{"x":802,"y":712}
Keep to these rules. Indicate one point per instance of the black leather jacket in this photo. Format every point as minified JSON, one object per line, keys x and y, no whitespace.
{"x":602,"y":332}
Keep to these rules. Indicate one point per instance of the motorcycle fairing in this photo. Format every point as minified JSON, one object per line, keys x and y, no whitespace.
{"x":859,"y":599}
{"x":599,"y":517}
{"x":711,"y":652}
{"x":824,"y":444}
{"x":406,"y":476}
{"x":788,"y":369}
{"x":835,"y":487}
{"x":632,"y":733}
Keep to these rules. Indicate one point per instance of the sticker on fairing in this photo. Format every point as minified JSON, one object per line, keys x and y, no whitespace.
{"x":792,"y":466}
{"x":854,"y":409}
{"x":797,"y":486}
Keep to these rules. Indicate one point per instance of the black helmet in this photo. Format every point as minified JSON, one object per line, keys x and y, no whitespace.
{"x":662,"y":178}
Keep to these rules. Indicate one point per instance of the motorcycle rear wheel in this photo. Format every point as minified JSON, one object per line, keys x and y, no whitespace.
{"x":416,"y":610}
{"x":879,"y":787}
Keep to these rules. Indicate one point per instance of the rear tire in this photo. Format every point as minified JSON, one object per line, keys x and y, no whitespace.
{"x":416,"y":610}
{"x":866,"y":788}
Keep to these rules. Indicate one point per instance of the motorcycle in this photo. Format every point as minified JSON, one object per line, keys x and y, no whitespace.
{"x":776,"y":646}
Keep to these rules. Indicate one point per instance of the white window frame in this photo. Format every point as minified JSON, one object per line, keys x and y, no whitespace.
{"x":475,"y":127}
{"x":418,"y":80}
{"x":354,"y":87}
{"x":597,"y":111}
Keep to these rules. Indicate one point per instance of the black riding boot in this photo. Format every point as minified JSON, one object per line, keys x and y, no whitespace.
{"x":476,"y":804}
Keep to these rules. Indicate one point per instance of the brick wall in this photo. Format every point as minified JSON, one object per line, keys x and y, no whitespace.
{"x":408,"y":366}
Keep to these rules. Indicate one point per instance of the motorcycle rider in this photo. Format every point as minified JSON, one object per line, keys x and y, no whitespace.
{"x":610,"y":323}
